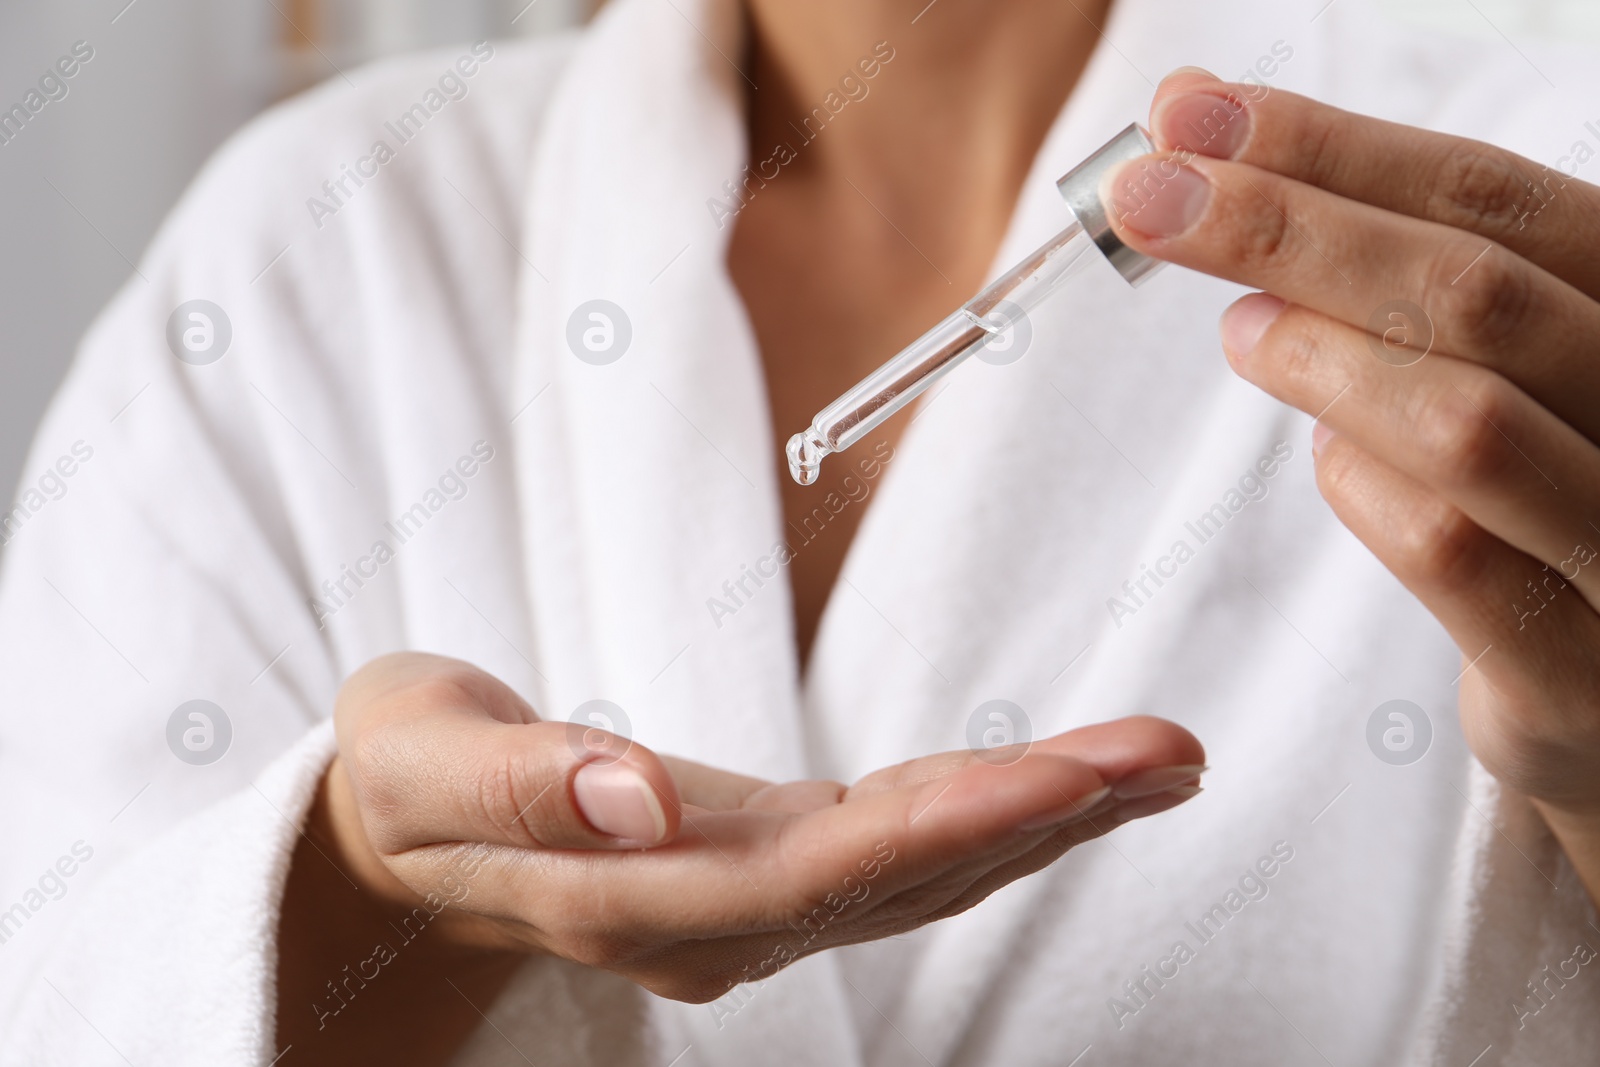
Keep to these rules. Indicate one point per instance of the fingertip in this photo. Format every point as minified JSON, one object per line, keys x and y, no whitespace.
{"x":625,"y":800}
{"x":1188,"y":70}
{"x":1321,"y":434}
{"x":1181,"y":80}
{"x":1166,"y":743}
{"x":1206,"y":119}
{"x":1145,"y":807}
{"x":1155,"y":198}
{"x":1246,"y":321}
{"x":1124,"y":746}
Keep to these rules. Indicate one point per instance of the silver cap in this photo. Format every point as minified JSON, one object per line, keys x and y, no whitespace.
{"x":1080,"y":187}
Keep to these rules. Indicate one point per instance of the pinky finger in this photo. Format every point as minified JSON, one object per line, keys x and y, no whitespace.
{"x":1530,"y":651}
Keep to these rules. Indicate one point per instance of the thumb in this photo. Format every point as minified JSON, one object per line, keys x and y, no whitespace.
{"x":523,"y":784}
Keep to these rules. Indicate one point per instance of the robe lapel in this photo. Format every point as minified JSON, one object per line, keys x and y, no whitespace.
{"x":647,"y":463}
{"x":958,"y":591}
{"x":647,"y":473}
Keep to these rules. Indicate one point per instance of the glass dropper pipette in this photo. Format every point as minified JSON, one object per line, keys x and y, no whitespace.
{"x":984,"y":318}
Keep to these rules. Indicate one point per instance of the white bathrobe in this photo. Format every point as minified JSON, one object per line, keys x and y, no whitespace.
{"x":217,"y":540}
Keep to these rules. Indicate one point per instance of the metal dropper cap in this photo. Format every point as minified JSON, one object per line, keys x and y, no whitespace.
{"x":1080,"y":187}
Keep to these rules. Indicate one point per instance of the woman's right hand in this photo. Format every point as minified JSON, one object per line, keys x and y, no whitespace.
{"x":544,"y":837}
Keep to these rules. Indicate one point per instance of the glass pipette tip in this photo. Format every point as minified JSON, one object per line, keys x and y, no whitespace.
{"x":983,"y":319}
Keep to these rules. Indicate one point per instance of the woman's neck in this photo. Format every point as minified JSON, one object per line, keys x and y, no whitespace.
{"x":964,"y":103}
{"x":879,"y":190}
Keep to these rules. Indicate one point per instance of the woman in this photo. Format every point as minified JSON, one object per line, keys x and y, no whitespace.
{"x":482,"y":418}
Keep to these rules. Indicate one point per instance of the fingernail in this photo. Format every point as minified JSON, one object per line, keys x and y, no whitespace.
{"x":1084,"y":807}
{"x":1247,"y":321}
{"x":1156,"y":780}
{"x":1320,"y":436}
{"x":616,"y":800}
{"x":1156,"y":196}
{"x":1205,"y":123}
{"x":1144,"y":807}
{"x":1190,"y":70}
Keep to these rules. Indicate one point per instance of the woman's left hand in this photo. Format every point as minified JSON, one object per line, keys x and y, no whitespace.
{"x":1436,"y":302}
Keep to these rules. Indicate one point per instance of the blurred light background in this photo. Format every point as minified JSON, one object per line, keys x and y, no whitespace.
{"x":170,"y":79}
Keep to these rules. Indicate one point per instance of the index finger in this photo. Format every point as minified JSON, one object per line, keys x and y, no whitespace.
{"x":1541,"y":213}
{"x":1115,"y":749}
{"x":1357,"y":263}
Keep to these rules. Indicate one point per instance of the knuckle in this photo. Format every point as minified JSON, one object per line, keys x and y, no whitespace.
{"x":1479,"y":188}
{"x":1439,"y":545}
{"x":1533,"y":747}
{"x":377,"y":763}
{"x":1489,"y":305}
{"x":445,"y":687}
{"x":1319,"y":145}
{"x":375,"y":760}
{"x":601,"y":949}
{"x":1460,"y":439}
{"x":500,"y":796}
{"x":398,"y":678}
{"x":1265,"y":242}
{"x":1340,"y":474}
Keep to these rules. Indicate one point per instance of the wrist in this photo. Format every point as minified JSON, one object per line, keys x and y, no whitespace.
{"x":361,"y":956}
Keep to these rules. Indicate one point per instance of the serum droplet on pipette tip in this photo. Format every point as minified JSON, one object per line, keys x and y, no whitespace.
{"x":805,"y":453}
